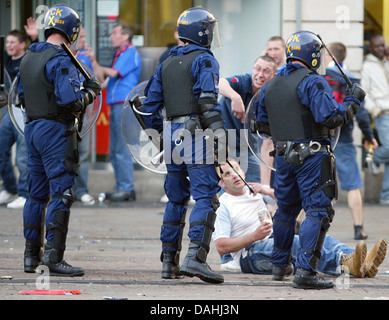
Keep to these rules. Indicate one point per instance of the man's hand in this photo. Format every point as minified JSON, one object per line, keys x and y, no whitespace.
{"x":237,"y":108}
{"x":357,"y":92}
{"x":263,"y":231}
{"x":32,"y":29}
{"x":93,"y":85}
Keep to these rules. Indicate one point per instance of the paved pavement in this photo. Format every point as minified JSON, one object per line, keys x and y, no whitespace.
{"x":118,"y":246}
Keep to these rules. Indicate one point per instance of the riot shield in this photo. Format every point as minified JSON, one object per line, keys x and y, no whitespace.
{"x":4,"y":90}
{"x":144,"y":145}
{"x":260,"y":144}
{"x":18,"y":113}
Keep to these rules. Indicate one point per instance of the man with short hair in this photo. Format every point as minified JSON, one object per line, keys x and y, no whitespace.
{"x":121,"y":78}
{"x":16,"y":42}
{"x":242,"y":230}
{"x":276,"y":49}
{"x":237,"y":93}
{"x":375,"y":80}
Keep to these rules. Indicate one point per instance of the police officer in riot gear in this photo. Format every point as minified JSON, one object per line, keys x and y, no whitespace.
{"x":49,"y":89}
{"x":186,"y":85}
{"x":298,"y":109}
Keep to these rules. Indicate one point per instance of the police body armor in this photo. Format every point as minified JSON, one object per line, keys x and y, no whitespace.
{"x":178,"y":82}
{"x":39,"y":98}
{"x":289,"y":119}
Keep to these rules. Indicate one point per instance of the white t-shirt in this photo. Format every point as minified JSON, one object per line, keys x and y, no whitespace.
{"x":237,"y":216}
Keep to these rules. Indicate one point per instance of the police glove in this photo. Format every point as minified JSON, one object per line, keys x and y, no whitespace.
{"x":93,"y":85}
{"x":357,"y":92}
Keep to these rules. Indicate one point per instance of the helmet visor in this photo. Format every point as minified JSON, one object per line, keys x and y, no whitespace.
{"x":322,"y":60}
{"x":215,"y":36}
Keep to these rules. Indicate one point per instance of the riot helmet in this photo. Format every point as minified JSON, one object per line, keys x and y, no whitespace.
{"x":63,"y":19}
{"x":198,"y":25}
{"x":305,"y":46}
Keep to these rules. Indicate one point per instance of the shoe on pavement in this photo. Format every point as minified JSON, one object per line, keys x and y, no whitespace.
{"x":354,"y":262}
{"x":375,"y":257}
{"x":6,"y":197}
{"x":384,"y":202}
{"x":18,"y":203}
{"x":280,"y":273}
{"x":87,"y":200}
{"x":359,"y":234}
{"x":230,"y":266}
{"x":122,"y":196}
{"x":307,"y":279}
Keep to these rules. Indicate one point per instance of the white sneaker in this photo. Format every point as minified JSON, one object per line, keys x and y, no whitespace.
{"x":88,"y":200}
{"x":6,"y":197}
{"x":164,"y":199}
{"x":230,"y":266}
{"x":18,"y":203}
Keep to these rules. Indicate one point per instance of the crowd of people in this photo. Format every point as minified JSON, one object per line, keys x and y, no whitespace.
{"x":295,"y":106}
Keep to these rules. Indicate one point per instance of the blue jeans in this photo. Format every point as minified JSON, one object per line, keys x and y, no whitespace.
{"x":81,"y":182}
{"x":9,"y":135}
{"x":381,"y":154}
{"x":331,"y":254}
{"x":120,"y":157}
{"x":347,"y":166}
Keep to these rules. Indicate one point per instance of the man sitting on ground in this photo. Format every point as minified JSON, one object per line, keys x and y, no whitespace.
{"x":240,"y":231}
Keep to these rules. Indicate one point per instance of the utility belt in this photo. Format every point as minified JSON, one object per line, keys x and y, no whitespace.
{"x":59,"y":118}
{"x":190,"y":122}
{"x":296,"y":153}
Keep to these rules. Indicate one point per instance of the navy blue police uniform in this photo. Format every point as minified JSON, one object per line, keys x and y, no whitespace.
{"x":186,"y":85}
{"x":49,"y":88}
{"x":298,"y":109}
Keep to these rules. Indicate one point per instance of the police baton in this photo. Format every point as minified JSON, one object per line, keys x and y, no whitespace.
{"x":75,"y":61}
{"x":348,"y":81}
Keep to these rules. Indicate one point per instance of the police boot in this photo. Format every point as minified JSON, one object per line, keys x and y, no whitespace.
{"x":307,"y":279}
{"x":32,"y":256}
{"x":53,"y":260}
{"x":54,"y":250}
{"x":353,"y":263}
{"x":194,"y":265}
{"x":280,"y":273}
{"x":170,"y":267}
